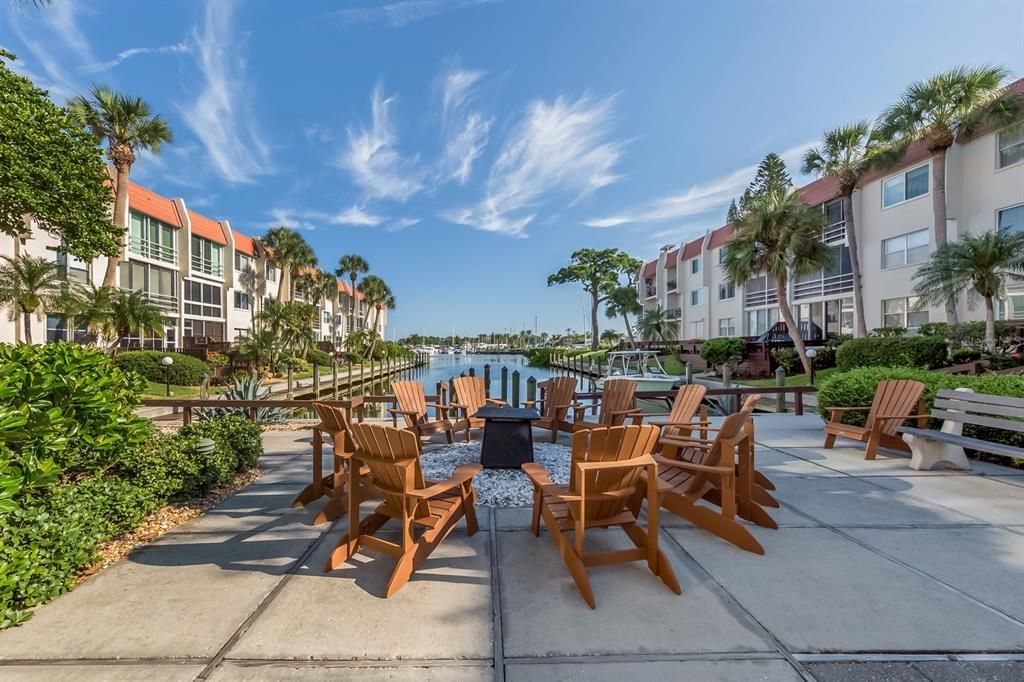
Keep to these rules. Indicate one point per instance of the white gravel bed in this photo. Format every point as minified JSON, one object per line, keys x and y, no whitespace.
{"x":497,"y":487}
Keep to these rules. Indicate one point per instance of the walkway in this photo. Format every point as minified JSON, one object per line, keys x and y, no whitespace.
{"x":877,"y":573}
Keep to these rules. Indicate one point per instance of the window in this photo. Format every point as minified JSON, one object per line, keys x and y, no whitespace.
{"x":721,"y":255}
{"x":56,"y":328}
{"x":833,"y":212}
{"x":150,"y":238}
{"x":1010,"y":143}
{"x":204,"y":329}
{"x":760,"y":321}
{"x":726,"y":290}
{"x":905,"y":186}
{"x":726,"y":326}
{"x":695,"y":266}
{"x":242,"y":301}
{"x":159,"y":284}
{"x":905,"y":250}
{"x":1013,"y":308}
{"x":207,"y":257}
{"x":697,"y":329}
{"x":903,"y":312}
{"x":1011,"y":219}
{"x":697,"y":297}
{"x":69,"y":267}
{"x":243,"y":263}
{"x":202,"y":299}
{"x":271,"y":273}
{"x":650,"y":288}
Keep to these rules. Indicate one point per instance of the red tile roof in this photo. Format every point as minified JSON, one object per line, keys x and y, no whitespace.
{"x":692,"y":249}
{"x":821,"y":190}
{"x":206,"y":228}
{"x":671,"y":258}
{"x":650,"y":269}
{"x":244,"y":243}
{"x":152,"y":204}
{"x":720,"y":237}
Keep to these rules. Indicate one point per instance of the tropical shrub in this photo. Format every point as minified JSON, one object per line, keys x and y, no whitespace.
{"x":217,"y":360}
{"x":246,"y":387}
{"x":315,"y":356}
{"x":962,"y":355}
{"x":239,"y":442}
{"x":856,"y":388}
{"x":725,"y":350}
{"x":911,"y":351}
{"x":297,"y":365}
{"x":789,"y":360}
{"x":888,"y":332}
{"x":184,"y":371}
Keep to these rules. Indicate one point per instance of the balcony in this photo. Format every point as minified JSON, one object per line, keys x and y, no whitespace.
{"x":674,"y":313}
{"x":207,"y":266}
{"x":823,"y":286}
{"x":672,"y":285}
{"x":834,"y":234}
{"x":760,"y":297}
{"x":165,"y":301}
{"x":153,"y":250}
{"x":650,"y":288}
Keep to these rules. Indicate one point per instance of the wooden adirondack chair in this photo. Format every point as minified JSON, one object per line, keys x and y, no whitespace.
{"x":412,"y":405}
{"x":605,"y":474}
{"x":559,"y":395}
{"x":702,"y":469}
{"x":895,"y":400}
{"x":471,"y":392}
{"x":686,"y":406}
{"x":392,"y":457}
{"x":618,"y":401}
{"x":335,"y":423}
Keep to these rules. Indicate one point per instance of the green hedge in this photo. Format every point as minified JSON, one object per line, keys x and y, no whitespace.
{"x":185,"y":370}
{"x":856,"y":388}
{"x":913,"y":351}
{"x":78,"y":467}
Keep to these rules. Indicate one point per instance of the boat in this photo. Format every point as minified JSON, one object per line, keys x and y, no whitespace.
{"x":643,"y":367}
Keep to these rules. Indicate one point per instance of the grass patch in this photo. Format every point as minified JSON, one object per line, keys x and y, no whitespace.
{"x":157,"y":389}
{"x":796,"y":380}
{"x":672,"y":365}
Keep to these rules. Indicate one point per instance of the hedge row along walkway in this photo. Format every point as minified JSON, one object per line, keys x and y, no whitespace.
{"x":877,"y":572}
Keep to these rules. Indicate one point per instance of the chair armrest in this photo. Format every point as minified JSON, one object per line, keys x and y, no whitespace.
{"x":642,"y":460}
{"x":696,"y":468}
{"x":632,"y":411}
{"x":537,"y":474}
{"x":840,"y":410}
{"x":407,"y":413}
{"x":901,"y":417}
{"x":465,"y":472}
{"x":502,"y":403}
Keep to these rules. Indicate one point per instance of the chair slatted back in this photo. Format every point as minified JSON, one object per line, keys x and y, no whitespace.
{"x":731,"y":431}
{"x":411,"y":398}
{"x":894,"y":397}
{"x":392,"y":456}
{"x":606,"y":492}
{"x":557,"y":391}
{"x":618,"y":395}
{"x":471,"y":392}
{"x":687,"y":402}
{"x":335,"y":422}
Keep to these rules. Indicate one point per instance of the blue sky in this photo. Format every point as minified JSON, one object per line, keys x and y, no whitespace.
{"x":465,"y":149}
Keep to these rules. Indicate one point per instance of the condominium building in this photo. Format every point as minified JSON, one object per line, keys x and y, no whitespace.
{"x":895,"y":235}
{"x":210,"y":279}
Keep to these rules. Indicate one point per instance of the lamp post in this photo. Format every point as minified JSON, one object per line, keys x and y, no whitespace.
{"x":811,"y":354}
{"x":167,"y":361}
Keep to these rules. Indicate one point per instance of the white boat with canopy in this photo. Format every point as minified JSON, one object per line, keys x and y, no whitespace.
{"x":643,"y":367}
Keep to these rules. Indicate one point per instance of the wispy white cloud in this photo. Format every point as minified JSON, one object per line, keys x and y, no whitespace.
{"x":561,"y":147}
{"x":403,"y":13}
{"x":356,"y":216}
{"x":697,"y":199}
{"x":177,"y":48}
{"x":465,"y":131}
{"x":52,"y":37}
{"x":372,"y":158}
{"x":305,"y":219}
{"x":285,"y":217}
{"x":317,"y":132}
{"x":401,"y":224}
{"x":220,"y":117}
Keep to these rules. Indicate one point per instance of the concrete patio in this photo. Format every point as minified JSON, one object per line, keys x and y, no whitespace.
{"x":876,"y":573}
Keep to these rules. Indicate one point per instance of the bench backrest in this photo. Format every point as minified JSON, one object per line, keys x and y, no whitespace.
{"x":979,"y":409}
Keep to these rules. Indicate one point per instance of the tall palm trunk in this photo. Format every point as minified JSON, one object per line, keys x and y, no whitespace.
{"x":285,"y":277}
{"x":794,"y":331}
{"x":939,"y":212}
{"x":861,"y":327}
{"x":629,"y":330}
{"x":352,"y":304}
{"x":27,"y":320}
{"x":372,"y":331}
{"x":594,"y":304}
{"x":990,"y":325}
{"x":120,"y":219}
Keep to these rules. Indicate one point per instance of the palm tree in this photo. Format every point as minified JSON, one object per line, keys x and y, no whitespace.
{"x":847,"y":154}
{"x":656,"y":325}
{"x":126,"y":124}
{"x":979,"y":265}
{"x":777,"y":234}
{"x":292,"y":254}
{"x":377,"y":296}
{"x":132,"y":313}
{"x":352,"y":265}
{"x":610,"y":336}
{"x":28,"y":285}
{"x":621,"y":303}
{"x":945,"y":108}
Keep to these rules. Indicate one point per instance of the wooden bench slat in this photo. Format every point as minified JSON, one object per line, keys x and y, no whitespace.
{"x":983,"y":398}
{"x":977,"y":408}
{"x":964,"y":441}
{"x":977,"y":420}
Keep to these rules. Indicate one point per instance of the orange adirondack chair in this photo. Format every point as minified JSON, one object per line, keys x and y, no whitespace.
{"x":606,"y":472}
{"x":895,"y":400}
{"x":471,"y":392}
{"x":559,"y":395}
{"x":412,"y":405}
{"x":618,"y":401}
{"x":335,"y":423}
{"x":685,"y":407}
{"x":702,"y":469}
{"x":392,"y":457}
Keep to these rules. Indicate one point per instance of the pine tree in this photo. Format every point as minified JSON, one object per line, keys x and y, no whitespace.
{"x":771,"y":175}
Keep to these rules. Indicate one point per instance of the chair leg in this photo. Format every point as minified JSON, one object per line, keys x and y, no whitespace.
{"x":716,"y":524}
{"x":763,"y":481}
{"x":830,"y":440}
{"x":469,"y":507}
{"x":449,"y":436}
{"x":663,"y":569}
{"x":535,"y":522}
{"x":403,"y":571}
{"x":872,"y":449}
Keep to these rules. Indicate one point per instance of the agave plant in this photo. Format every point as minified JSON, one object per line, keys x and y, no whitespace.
{"x":247,"y":387}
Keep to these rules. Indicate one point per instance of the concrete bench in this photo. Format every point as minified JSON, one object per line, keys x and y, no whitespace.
{"x":958,"y":407}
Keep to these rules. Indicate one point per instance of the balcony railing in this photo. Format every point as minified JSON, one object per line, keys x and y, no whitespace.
{"x":824,"y":286}
{"x":166,"y":301}
{"x":207,"y":266}
{"x":761,"y":297}
{"x":835,"y":233}
{"x":650,"y":290}
{"x":153,"y":250}
{"x":674,"y":313}
{"x":672,"y":285}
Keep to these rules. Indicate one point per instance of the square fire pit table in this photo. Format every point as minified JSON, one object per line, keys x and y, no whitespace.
{"x":508,"y":436}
